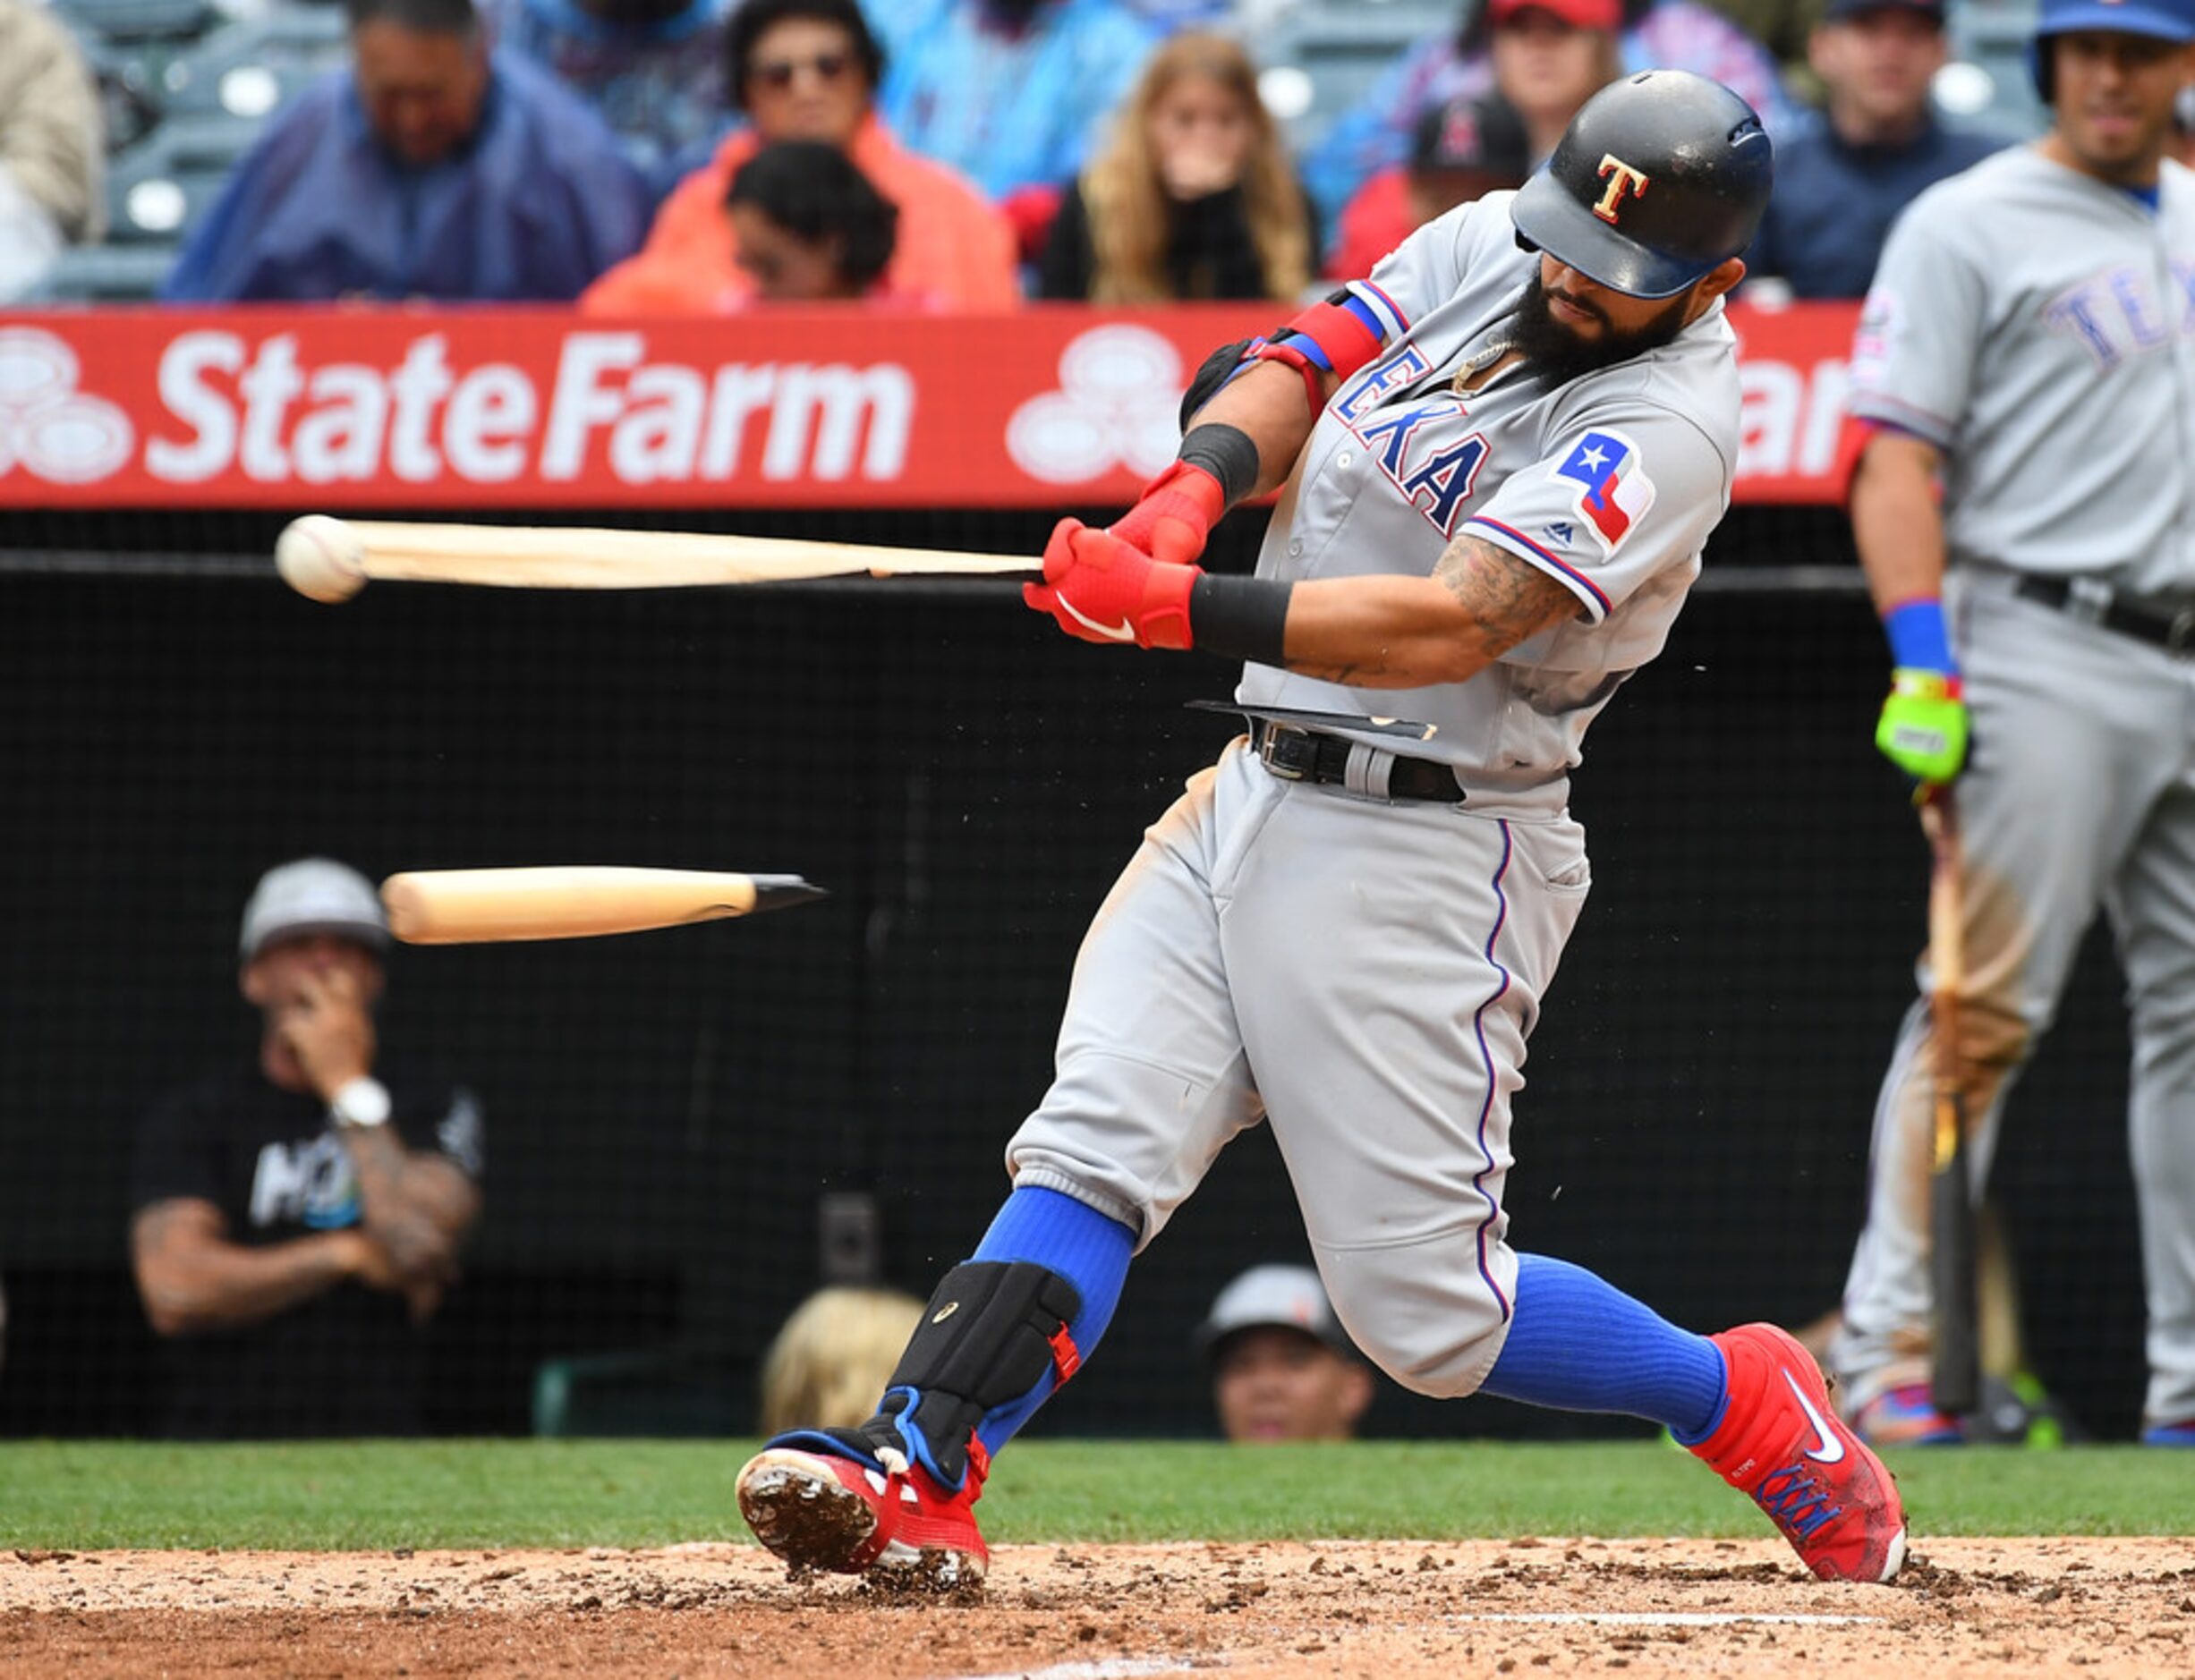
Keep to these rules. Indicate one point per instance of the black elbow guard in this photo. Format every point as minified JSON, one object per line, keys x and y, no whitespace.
{"x":1214,"y":371}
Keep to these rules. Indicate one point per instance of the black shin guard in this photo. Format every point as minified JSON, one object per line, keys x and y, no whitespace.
{"x":988,"y":1337}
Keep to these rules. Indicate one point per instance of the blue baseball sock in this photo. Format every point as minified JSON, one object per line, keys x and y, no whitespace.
{"x":1087,"y":1248}
{"x":1580,"y":1344}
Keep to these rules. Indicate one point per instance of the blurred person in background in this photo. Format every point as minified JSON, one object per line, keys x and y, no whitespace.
{"x":1282,"y":1368}
{"x":1845,"y":171}
{"x":2184,"y":126}
{"x":1548,"y":59}
{"x":1786,"y":29}
{"x":2020,"y":505}
{"x":296,"y":1223}
{"x":1375,"y":133}
{"x":433,"y":168}
{"x":834,"y":1355}
{"x":810,"y":228}
{"x":807,"y":70}
{"x":653,"y":70}
{"x":1014,"y":94}
{"x":51,"y":161}
{"x":1462,"y":150}
{"x":1193,"y":198}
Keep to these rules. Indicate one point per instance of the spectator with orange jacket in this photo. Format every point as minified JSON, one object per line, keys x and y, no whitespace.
{"x":807,"y":70}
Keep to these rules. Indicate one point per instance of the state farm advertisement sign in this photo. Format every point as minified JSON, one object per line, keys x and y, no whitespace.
{"x":357,"y":408}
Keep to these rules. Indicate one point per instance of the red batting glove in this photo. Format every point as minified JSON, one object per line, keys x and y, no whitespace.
{"x":1102,"y":589}
{"x":1173,"y":516}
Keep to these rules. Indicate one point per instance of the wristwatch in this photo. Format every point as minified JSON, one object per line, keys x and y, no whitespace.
{"x":362,"y":1102}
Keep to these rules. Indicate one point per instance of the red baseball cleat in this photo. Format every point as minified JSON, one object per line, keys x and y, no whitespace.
{"x":821,"y":1511}
{"x":1780,"y":1441}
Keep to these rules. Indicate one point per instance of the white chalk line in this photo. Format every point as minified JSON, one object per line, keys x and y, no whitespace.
{"x":1114,"y":1669}
{"x":1670,"y":1618}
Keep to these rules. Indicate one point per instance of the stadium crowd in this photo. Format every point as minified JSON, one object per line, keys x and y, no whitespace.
{"x":707,"y":156}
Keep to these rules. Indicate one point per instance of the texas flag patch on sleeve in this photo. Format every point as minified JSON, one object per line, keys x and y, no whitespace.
{"x":1613,"y":491}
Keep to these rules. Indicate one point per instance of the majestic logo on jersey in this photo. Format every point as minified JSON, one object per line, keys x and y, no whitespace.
{"x":1405,"y":367}
{"x":1614,"y":491}
{"x":1622,"y":178}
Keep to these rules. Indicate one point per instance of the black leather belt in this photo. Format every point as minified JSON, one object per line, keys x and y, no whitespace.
{"x":2161,"y":624}
{"x":1303,"y":755}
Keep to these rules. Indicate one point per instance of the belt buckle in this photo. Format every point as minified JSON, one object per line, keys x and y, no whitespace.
{"x":1269,"y":747}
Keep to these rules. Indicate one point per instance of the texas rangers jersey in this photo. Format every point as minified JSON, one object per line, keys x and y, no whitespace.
{"x":1609,"y":483}
{"x":2038,"y":325}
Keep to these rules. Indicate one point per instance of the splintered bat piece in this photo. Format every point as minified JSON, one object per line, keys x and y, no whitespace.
{"x":475,"y":906}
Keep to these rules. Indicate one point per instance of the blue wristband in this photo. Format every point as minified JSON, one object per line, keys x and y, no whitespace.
{"x":1918,"y":639}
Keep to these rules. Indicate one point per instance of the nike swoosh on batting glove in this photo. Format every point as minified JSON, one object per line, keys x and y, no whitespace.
{"x":1923,"y":727}
{"x":1174,"y":515}
{"x":1102,"y":589}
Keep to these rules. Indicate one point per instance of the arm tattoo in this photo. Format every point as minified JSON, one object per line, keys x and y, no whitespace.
{"x":1509,"y":599}
{"x":414,"y":1240}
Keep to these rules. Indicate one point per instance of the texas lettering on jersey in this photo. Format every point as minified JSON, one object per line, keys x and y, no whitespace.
{"x":1416,"y":446}
{"x":2117,"y":313}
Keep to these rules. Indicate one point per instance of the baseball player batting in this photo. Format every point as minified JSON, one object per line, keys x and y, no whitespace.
{"x":1503,"y":455}
{"x":2029,"y":343}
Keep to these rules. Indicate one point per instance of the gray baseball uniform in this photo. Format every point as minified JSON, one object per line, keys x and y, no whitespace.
{"x":2038,"y":325}
{"x":1365,"y":973}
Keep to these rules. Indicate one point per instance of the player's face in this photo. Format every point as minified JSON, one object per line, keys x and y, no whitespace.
{"x":422,"y":92}
{"x":784,"y":268}
{"x":2113,"y":100}
{"x":805,"y":81}
{"x":1878,"y":65}
{"x":1568,"y":324}
{"x":1276,"y":1384}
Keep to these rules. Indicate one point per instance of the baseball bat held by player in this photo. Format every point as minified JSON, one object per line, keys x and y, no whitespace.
{"x":1955,"y":1382}
{"x":331,"y":559}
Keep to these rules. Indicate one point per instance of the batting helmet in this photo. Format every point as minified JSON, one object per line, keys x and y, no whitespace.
{"x":2166,"y":19}
{"x":1659,"y":178}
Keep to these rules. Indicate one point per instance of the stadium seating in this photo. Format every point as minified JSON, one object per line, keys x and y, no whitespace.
{"x":187,"y":84}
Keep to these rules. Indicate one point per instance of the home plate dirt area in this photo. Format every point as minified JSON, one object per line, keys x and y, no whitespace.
{"x":2000,"y":1608}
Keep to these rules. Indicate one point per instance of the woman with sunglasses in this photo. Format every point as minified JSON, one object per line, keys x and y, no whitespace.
{"x":807,"y":70}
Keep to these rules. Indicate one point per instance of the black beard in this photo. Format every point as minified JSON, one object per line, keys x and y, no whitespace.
{"x":1558,"y":355}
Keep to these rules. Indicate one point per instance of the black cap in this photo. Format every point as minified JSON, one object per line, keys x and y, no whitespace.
{"x":1845,"y":10}
{"x":1659,"y":178}
{"x":1484,"y":136}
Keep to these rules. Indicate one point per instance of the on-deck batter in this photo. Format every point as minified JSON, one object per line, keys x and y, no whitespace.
{"x":2030,"y":338}
{"x":1508,"y":448}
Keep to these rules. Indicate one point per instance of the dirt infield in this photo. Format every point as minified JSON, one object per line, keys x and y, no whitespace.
{"x":2106,"y":1607}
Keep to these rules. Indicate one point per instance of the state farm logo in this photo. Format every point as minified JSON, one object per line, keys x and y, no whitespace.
{"x":54,"y":431}
{"x":274,"y":411}
{"x":1117,"y":405}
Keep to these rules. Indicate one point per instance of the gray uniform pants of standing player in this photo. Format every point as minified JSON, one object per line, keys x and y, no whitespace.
{"x":1365,"y":975}
{"x":2081,"y":791}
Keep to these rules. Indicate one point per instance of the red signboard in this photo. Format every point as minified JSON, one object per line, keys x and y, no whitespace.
{"x":346,"y":408}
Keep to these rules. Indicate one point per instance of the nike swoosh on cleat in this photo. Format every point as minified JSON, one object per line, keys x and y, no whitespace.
{"x":1111,"y":632}
{"x":1832,"y":1449}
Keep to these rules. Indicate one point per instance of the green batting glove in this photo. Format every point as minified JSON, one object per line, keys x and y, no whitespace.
{"x":1923,"y":728}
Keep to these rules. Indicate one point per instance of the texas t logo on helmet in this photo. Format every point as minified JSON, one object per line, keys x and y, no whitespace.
{"x":1622,"y":178}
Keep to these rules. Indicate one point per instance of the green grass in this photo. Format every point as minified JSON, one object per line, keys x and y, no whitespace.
{"x":373,"y":1495}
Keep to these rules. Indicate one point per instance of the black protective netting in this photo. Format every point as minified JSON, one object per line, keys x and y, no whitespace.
{"x":667,"y":1111}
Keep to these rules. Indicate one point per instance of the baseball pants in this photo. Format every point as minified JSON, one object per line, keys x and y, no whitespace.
{"x":1362,"y":975}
